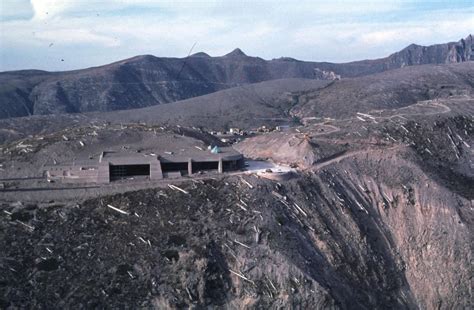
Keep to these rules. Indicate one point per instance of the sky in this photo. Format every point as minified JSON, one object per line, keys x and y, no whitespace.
{"x":58,"y":35}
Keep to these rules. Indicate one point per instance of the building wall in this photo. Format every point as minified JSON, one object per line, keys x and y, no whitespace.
{"x":73,"y":174}
{"x":101,"y":172}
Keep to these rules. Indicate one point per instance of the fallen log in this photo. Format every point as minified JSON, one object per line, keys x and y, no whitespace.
{"x":118,"y":210}
{"x":241,"y":276}
{"x":174,"y":187}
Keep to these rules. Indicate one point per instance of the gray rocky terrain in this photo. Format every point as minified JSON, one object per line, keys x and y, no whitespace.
{"x":377,"y":211}
{"x":367,"y":217}
{"x":277,"y":102}
{"x":148,"y":80}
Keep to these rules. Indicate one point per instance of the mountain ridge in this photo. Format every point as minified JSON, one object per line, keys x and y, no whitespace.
{"x":277,"y":102}
{"x":147,"y":80}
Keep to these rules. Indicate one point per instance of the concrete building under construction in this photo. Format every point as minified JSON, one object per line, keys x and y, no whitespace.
{"x":113,"y":165}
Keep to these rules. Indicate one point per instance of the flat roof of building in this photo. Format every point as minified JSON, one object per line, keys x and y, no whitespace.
{"x":124,"y":147}
{"x":196,"y":153}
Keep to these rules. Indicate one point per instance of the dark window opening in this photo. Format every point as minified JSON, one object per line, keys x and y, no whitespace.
{"x":231,"y":165}
{"x":174,"y":167}
{"x":205,"y":166}
{"x":125,"y":171}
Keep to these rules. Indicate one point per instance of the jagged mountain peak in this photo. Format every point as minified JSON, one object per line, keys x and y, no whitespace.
{"x":235,"y":53}
{"x":412,"y":46}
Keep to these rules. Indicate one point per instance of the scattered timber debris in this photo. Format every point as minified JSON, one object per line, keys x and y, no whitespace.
{"x":118,"y":210}
{"x":246,"y":183}
{"x":241,"y":276}
{"x":176,"y":188}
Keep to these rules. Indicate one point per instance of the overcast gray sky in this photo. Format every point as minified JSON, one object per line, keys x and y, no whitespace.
{"x":71,"y":34}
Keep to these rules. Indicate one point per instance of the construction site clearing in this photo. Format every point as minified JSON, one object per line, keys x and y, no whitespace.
{"x":113,"y":165}
{"x":104,"y":158}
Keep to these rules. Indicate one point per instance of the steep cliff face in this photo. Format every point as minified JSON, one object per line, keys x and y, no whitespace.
{"x":462,"y":51}
{"x":405,"y":209}
{"x":452,"y":52}
{"x":426,"y":223}
{"x":445,"y":149}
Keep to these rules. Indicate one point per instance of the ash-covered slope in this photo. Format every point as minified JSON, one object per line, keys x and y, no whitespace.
{"x":380,"y":218}
{"x":248,"y":106}
{"x":147,"y":80}
{"x":277,"y":102}
{"x":138,"y":82}
{"x":387,"y":90}
{"x":371,"y":232}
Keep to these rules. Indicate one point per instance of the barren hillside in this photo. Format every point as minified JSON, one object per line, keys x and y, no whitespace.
{"x":388,"y":90}
{"x":147,"y":80}
{"x":366,"y":233}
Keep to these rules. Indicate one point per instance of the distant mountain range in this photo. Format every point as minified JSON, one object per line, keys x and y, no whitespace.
{"x":147,"y":80}
{"x":275,"y":102}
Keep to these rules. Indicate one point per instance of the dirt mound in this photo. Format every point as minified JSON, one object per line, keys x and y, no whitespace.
{"x":294,"y":148}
